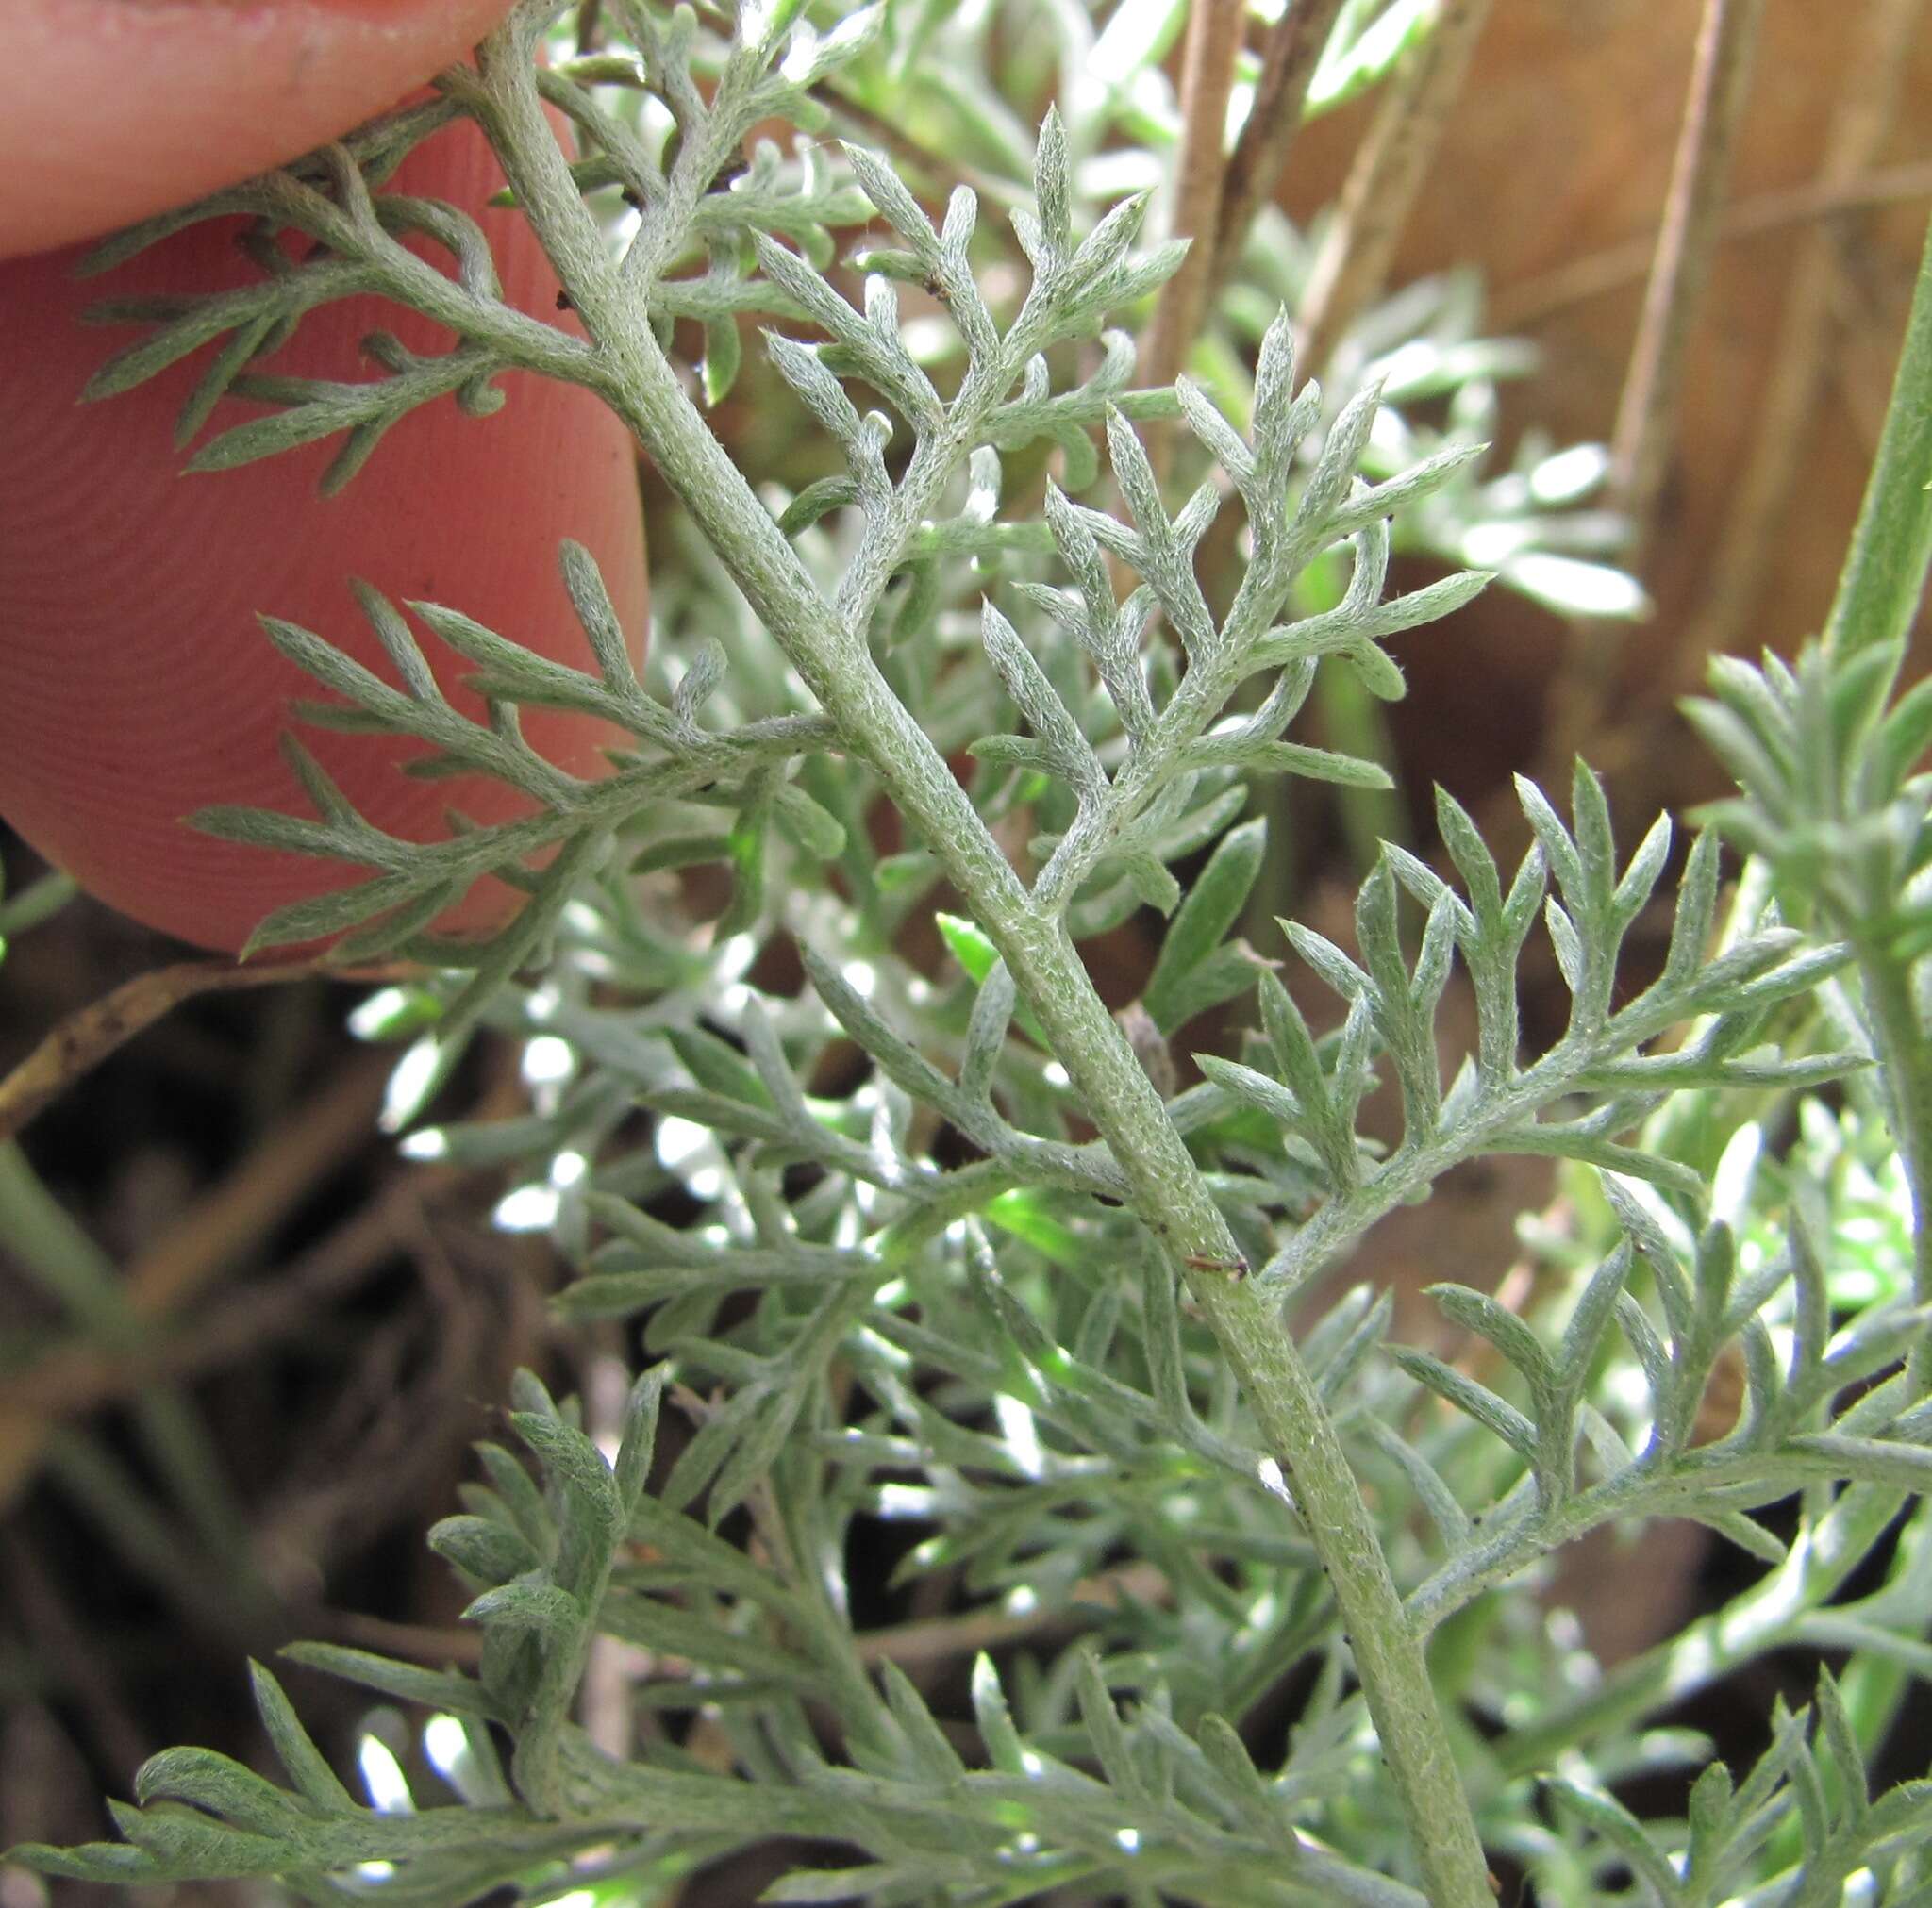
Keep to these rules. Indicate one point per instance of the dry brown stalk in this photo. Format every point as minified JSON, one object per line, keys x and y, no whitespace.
{"x":1867,"y":106}
{"x":1214,"y":38}
{"x":82,"y":1040}
{"x":1533,"y":301}
{"x":1646,"y":423}
{"x":293,"y":1156}
{"x":1288,"y":58}
{"x":1647,"y":409}
{"x":1352,"y":267}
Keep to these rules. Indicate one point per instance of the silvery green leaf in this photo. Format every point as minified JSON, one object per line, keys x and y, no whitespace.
{"x":485,"y":1552}
{"x":1020,"y":751}
{"x":723,"y":355}
{"x":1077,"y":547}
{"x":1610,"y":1819}
{"x":1526,"y":896}
{"x":1154,"y":885}
{"x":1254,"y":1089}
{"x":1345,"y":1352}
{"x":1285,"y":759}
{"x":1130,"y":281}
{"x":1327,"y":960}
{"x":1274,"y":393}
{"x":807,"y":823}
{"x":340,"y":673}
{"x":816,"y":500}
{"x":1109,"y":242}
{"x":1479,"y":1313}
{"x":1797,"y":975}
{"x":1433,"y":1493}
{"x":317,"y":917}
{"x":894,"y":204}
{"x":894,"y":1054}
{"x":204,"y":321}
{"x":1105,"y":1731}
{"x":1764,"y":1069}
{"x":575,"y":1467}
{"x":1377,"y":935}
{"x":396,"y":929}
{"x":986,"y":1033}
{"x":1335,"y":469}
{"x":1473,"y":1400}
{"x":1589,"y":1320}
{"x":1471,"y":856}
{"x":404,"y":1682}
{"x":1092,"y":912}
{"x":398,"y":644}
{"x":876,"y":355}
{"x":510,"y":669}
{"x":822,"y":394}
{"x":1004,"y":1746}
{"x":1438,"y":950}
{"x":219,"y":1787}
{"x":1403,"y":492}
{"x":1747,"y":1534}
{"x":717,"y":1067}
{"x":295,"y":1750}
{"x":1212,"y":906}
{"x":1423,"y":883}
{"x":1559,"y":851}
{"x":1068,"y":750}
{"x":331,"y":804}
{"x":767,"y":1052}
{"x":1568,"y":946}
{"x":1596,"y":847}
{"x":541,"y":1608}
{"x":1226,"y":972}
{"x":930,"y":1752}
{"x":837,"y":47}
{"x":1571,"y":1142}
{"x":591,"y":602}
{"x":1134,"y":473}
{"x":1216,"y":435}
{"x":1052,"y":190}
{"x":702,"y":675}
{"x":1376,"y":670}
{"x":1430,"y":604}
{"x":1169,"y":839}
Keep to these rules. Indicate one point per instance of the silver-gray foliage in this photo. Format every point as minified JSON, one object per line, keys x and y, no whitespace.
{"x":968,"y":1258}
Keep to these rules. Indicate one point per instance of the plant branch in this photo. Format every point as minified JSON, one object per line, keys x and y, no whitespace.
{"x":831,"y":655}
{"x":1488,"y":1127}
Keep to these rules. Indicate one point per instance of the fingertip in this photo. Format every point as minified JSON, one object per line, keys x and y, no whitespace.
{"x":115,"y":109}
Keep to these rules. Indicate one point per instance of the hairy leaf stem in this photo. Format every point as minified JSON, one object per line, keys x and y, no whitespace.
{"x":1884,"y":569}
{"x":1878,"y":597}
{"x":830,"y":654}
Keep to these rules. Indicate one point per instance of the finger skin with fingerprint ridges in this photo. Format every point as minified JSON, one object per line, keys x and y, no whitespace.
{"x":135,"y":684}
{"x":112,"y":109}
